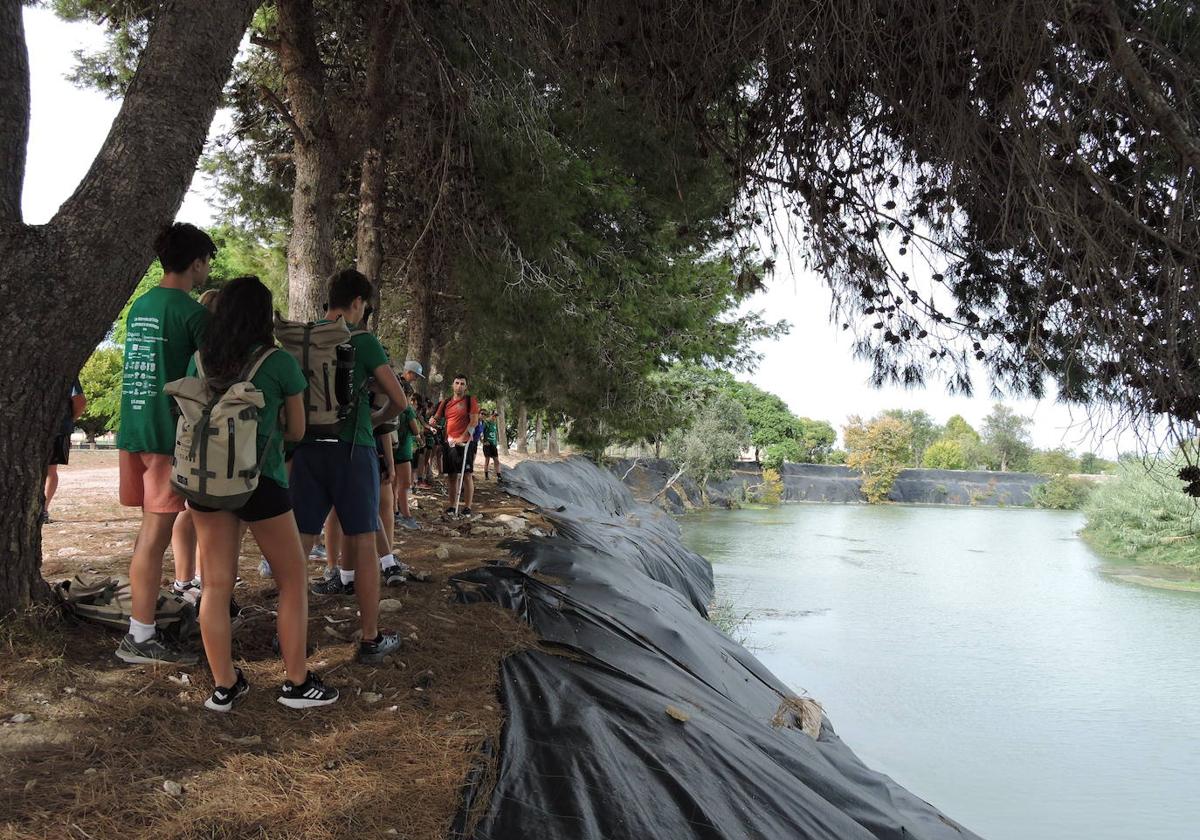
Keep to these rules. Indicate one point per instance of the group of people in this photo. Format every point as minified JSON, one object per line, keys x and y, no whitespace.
{"x":351,"y":481}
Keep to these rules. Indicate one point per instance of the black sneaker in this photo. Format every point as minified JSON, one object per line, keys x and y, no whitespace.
{"x":393,"y":575}
{"x":312,"y":692}
{"x":384,"y":645}
{"x":333,"y":586}
{"x":153,"y":651}
{"x":222,"y":699}
{"x":466,"y":511}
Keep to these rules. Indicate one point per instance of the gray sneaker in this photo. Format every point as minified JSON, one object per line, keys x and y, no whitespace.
{"x":372,"y":652}
{"x":409,"y":522}
{"x":153,"y":651}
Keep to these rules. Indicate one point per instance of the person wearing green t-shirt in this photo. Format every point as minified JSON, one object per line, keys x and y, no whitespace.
{"x":342,"y":472}
{"x":410,"y":433}
{"x":241,"y":335}
{"x":163,"y":330}
{"x":491,"y":438}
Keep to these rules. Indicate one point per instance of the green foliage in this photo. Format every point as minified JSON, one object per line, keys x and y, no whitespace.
{"x":770,"y":492}
{"x":879,"y":450}
{"x":925,"y":430}
{"x":1054,"y":462}
{"x":946,"y":453}
{"x":1006,"y":438}
{"x":957,"y":427}
{"x":707,"y":449}
{"x":101,"y":381}
{"x":784,"y":450}
{"x":1092,"y":464}
{"x":1142,"y":515}
{"x":1062,"y":492}
{"x":836,"y":456}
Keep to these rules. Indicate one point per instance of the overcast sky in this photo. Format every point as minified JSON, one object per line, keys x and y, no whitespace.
{"x":812,"y":368}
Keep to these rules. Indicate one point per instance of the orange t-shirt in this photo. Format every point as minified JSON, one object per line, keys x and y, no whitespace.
{"x":457,"y":411}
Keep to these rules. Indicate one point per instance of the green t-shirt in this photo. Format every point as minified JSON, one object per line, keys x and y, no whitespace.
{"x":404,"y":448}
{"x":368,"y":355}
{"x":162,"y":332}
{"x":490,"y":432}
{"x":278,"y":378}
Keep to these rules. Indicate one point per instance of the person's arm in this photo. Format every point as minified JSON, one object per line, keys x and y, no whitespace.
{"x":389,"y":460}
{"x":78,"y":405}
{"x":294,"y":418}
{"x":473,"y":407}
{"x":385,"y":379}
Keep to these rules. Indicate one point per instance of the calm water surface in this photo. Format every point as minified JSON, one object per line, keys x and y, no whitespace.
{"x":980,"y":659}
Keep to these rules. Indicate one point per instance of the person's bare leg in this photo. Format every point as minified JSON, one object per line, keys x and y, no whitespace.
{"x":51,"y":484}
{"x":218,"y":536}
{"x":403,"y":481}
{"x":335,"y":547}
{"x":387,"y":516}
{"x":183,"y":546}
{"x":366,"y":581}
{"x":468,"y":489}
{"x":145,"y":568}
{"x":285,"y":553}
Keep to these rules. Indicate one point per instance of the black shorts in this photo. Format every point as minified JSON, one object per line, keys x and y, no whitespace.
{"x":270,"y":499}
{"x":60,"y":450}
{"x":490,"y":451}
{"x":453,"y":462}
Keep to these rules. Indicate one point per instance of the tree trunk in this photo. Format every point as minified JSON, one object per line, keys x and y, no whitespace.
{"x":376,"y":107}
{"x":658,"y":446}
{"x":89,"y":257}
{"x":435,"y":368}
{"x":552,"y":439}
{"x":502,"y":426}
{"x":14,"y":110}
{"x":538,"y":445}
{"x":522,"y":428}
{"x":315,"y":156}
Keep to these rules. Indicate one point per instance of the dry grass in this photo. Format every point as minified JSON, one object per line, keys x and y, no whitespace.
{"x":105,"y":737}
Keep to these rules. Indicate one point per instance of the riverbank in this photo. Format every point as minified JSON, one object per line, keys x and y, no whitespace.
{"x":826,"y":483}
{"x":109,"y":751}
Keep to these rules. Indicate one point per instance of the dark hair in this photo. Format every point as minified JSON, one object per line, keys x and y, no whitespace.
{"x":459,"y":376}
{"x":241,"y":321}
{"x":179,"y":245}
{"x":347,"y":285}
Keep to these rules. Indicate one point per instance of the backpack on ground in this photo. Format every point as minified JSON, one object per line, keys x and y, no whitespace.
{"x":108,"y":601}
{"x":316,"y":348}
{"x":216,"y":461}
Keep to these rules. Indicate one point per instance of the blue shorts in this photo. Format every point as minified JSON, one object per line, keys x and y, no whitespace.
{"x":342,"y":476}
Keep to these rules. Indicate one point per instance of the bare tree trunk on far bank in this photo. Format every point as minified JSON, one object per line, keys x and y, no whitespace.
{"x":538,"y":446}
{"x":522,"y":429}
{"x":502,"y":426}
{"x":80,"y":267}
{"x":552,"y":439}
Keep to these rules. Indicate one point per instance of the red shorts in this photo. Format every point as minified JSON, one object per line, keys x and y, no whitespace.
{"x":146,"y":482}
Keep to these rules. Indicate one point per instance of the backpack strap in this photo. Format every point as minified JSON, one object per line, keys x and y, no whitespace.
{"x":255,"y":363}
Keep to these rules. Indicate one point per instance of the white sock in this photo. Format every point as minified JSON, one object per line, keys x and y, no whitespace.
{"x":141,"y":632}
{"x":196,"y":580}
{"x":387,"y":561}
{"x":347,"y":577}
{"x":182,"y":584}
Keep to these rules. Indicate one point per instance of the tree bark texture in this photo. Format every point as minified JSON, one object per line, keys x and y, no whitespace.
{"x":14,"y":110}
{"x":522,"y":428}
{"x":65,"y":281}
{"x":502,"y":426}
{"x":538,"y":445}
{"x":315,"y":156}
{"x":552,"y":440}
{"x":371,"y":189}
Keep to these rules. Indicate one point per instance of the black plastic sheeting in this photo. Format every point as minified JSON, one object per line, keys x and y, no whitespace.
{"x":638,"y":718}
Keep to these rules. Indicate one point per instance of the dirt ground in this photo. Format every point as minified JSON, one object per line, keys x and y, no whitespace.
{"x":99,"y":749}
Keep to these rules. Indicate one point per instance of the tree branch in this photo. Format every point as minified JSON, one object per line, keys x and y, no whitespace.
{"x":281,"y":108}
{"x":14,"y":110}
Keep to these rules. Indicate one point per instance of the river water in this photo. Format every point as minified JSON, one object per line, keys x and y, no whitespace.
{"x":980,"y":658}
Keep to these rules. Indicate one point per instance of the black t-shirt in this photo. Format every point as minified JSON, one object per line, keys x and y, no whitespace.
{"x":68,"y":423}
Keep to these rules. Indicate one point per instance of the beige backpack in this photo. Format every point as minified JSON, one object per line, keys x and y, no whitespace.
{"x":216,"y":452}
{"x":315,"y":347}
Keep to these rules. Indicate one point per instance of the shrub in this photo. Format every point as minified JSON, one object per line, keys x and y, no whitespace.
{"x":1061,"y":492}
{"x":777,"y":453}
{"x":945,"y":454}
{"x":770,"y":492}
